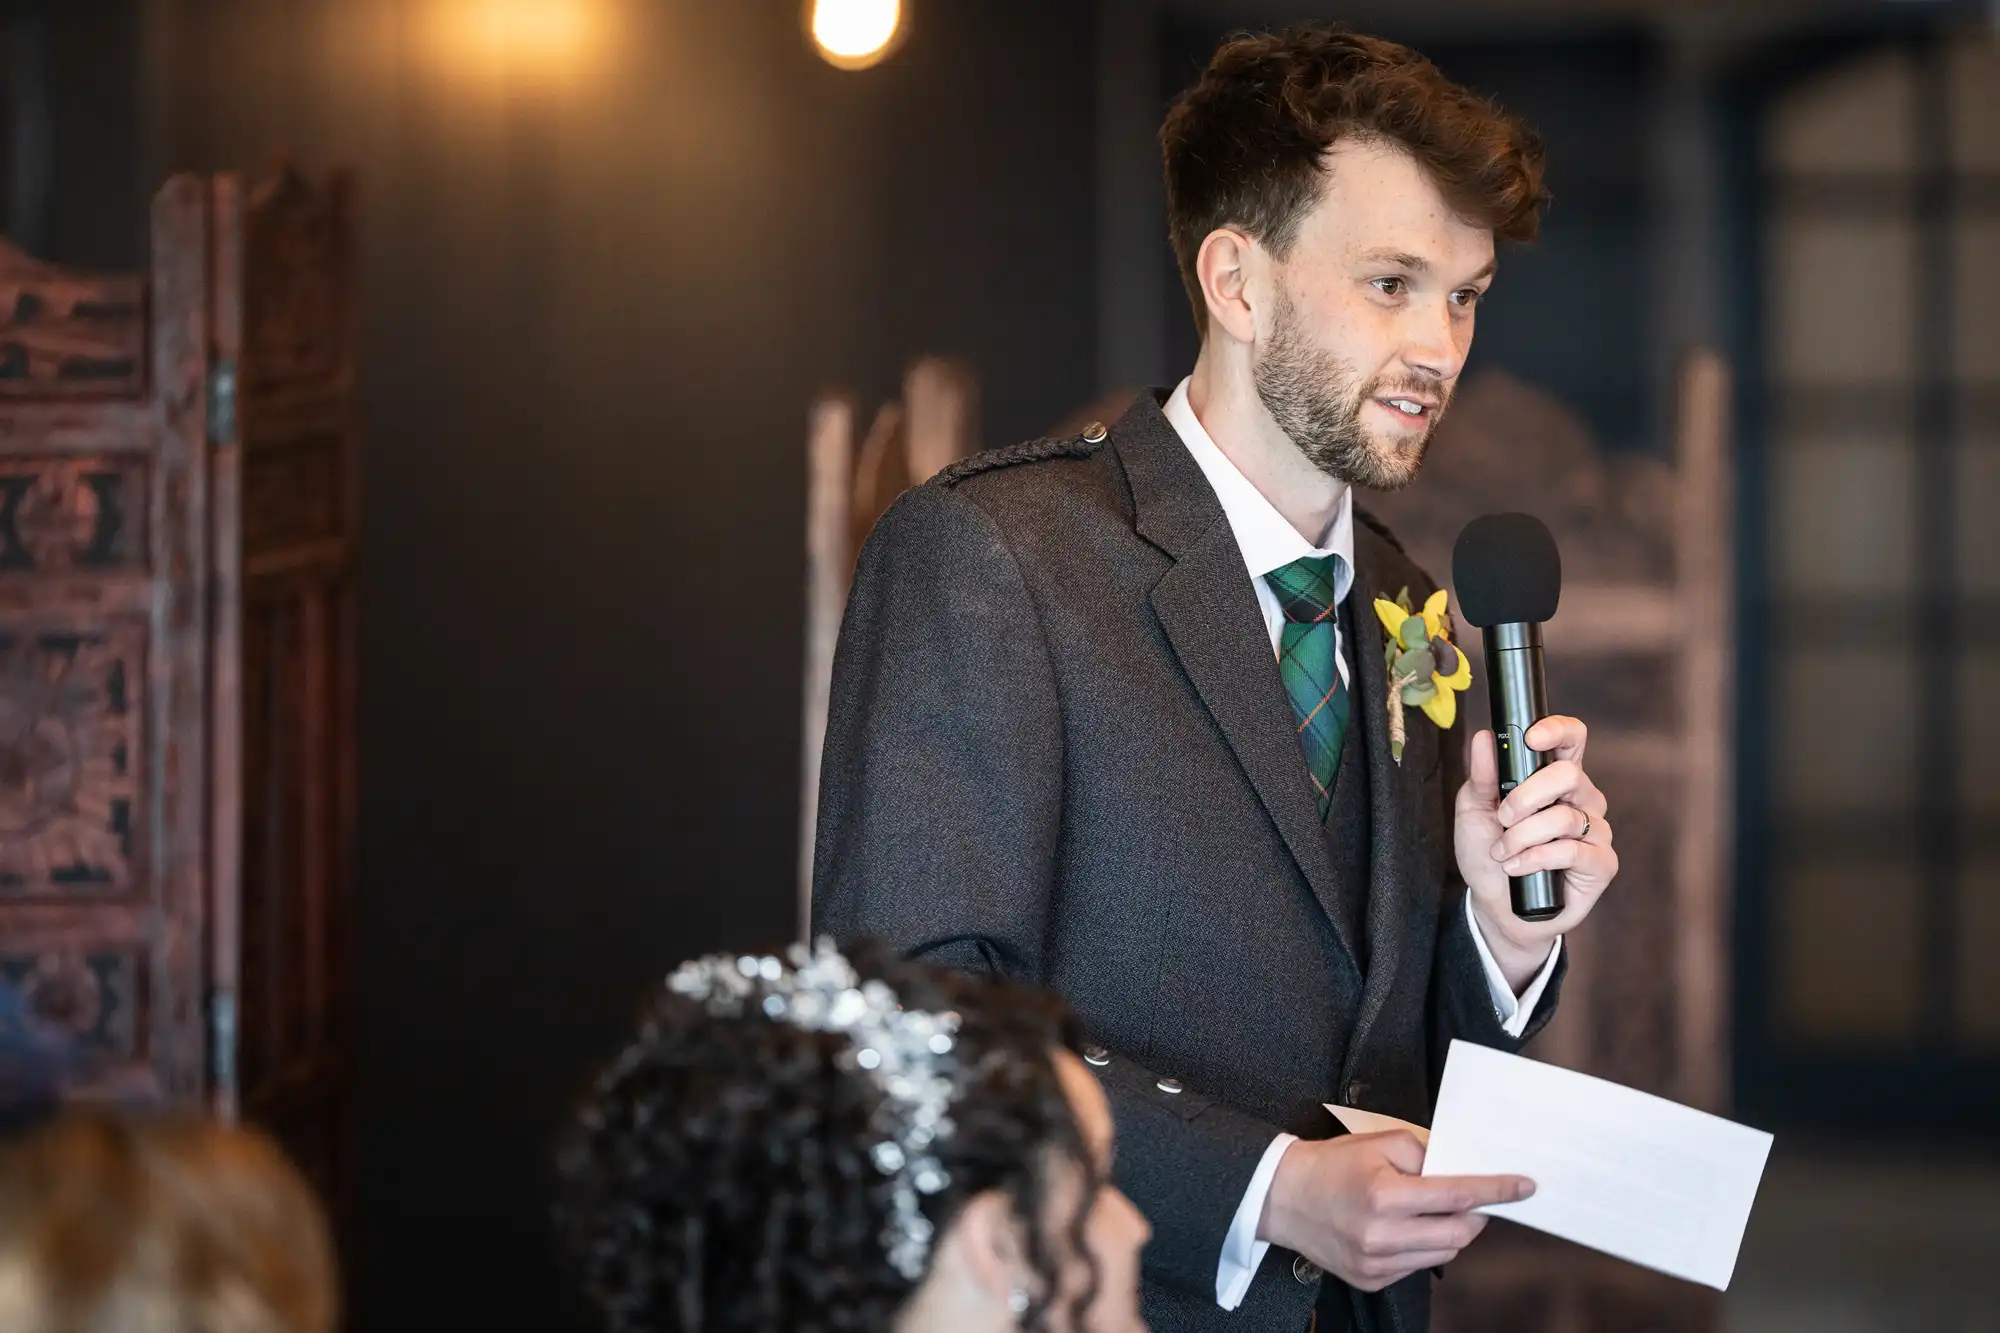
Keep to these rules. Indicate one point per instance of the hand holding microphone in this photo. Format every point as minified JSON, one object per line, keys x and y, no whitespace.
{"x":1530,"y":829}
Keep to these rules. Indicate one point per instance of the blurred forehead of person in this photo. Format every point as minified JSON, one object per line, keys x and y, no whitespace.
{"x":117,"y":1225}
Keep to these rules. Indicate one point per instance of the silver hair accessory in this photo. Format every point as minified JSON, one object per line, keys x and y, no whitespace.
{"x":905,"y":1053}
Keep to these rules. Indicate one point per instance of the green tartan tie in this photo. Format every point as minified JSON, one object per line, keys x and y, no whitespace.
{"x":1308,"y":665}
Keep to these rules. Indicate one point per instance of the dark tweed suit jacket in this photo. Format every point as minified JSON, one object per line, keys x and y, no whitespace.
{"x":1058,"y":749}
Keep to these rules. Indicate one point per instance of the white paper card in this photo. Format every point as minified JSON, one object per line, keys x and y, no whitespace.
{"x":1621,"y":1171}
{"x":1358,"y":1121}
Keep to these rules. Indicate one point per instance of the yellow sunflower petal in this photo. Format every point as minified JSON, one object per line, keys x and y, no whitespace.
{"x":1458,"y":679}
{"x":1443,"y":708}
{"x":1434,"y":613}
{"x":1391,"y":616}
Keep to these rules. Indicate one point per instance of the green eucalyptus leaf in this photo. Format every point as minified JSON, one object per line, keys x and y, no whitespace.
{"x":1419,"y":692}
{"x":1413,"y":633}
{"x":1417,"y":664}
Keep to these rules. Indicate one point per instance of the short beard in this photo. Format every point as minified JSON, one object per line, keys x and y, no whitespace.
{"x":1316,"y":399}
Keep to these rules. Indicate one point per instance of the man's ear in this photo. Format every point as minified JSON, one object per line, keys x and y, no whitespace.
{"x":1224,"y":267}
{"x":991,"y":1250}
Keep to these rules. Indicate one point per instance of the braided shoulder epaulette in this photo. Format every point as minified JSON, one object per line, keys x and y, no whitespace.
{"x":1030,"y":451}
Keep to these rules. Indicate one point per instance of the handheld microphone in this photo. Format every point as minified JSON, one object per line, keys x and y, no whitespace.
{"x":1509,"y":579}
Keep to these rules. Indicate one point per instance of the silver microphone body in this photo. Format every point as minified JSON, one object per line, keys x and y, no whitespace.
{"x":1520,"y":698}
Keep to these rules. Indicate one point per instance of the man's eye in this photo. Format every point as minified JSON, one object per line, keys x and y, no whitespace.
{"x":1389,"y":286}
{"x":1467,"y":297}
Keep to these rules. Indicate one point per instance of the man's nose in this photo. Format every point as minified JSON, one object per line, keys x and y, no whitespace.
{"x":1434,"y":344}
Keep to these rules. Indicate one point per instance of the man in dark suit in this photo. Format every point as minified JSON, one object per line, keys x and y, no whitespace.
{"x":1112,"y":712}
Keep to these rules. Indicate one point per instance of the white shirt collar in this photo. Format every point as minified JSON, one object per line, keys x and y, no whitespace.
{"x":1265,"y":536}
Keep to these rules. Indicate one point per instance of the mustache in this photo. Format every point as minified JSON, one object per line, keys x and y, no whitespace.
{"x":1405,"y":387}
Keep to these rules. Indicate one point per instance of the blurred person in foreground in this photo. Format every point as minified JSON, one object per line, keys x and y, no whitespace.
{"x":117,"y":1224}
{"x":817,"y":1144}
{"x":1114,"y":713}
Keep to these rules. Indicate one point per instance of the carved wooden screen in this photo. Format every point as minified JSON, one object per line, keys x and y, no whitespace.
{"x":104,"y":564}
{"x":177,"y":502}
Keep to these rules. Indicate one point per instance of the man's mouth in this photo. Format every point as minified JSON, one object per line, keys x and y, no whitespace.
{"x":1416,"y":409}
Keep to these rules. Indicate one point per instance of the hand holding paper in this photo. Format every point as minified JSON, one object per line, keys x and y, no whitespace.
{"x":1361,"y":1208}
{"x":1621,"y":1171}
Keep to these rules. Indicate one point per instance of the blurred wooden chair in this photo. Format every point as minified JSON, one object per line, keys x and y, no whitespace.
{"x":1642,"y":650}
{"x":849,"y":485}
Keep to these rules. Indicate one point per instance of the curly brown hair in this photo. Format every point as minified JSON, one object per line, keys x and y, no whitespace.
{"x":1243,"y":146}
{"x":717,"y":1176}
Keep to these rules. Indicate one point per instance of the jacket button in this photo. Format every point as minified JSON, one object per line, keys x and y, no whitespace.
{"x":1306,"y":1271}
{"x":1355,"y":1092}
{"x":1094,"y":432}
{"x":1169,"y":1085}
{"x":1096,"y":1055}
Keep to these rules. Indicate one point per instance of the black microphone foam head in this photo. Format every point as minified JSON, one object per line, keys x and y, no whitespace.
{"x":1506,"y":570}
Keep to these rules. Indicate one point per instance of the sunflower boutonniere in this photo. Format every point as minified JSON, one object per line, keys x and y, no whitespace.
{"x":1425,"y":668}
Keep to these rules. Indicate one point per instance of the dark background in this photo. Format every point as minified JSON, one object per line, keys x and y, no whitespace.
{"x":595,"y":313}
{"x":598,"y":303}
{"x":595,"y":316}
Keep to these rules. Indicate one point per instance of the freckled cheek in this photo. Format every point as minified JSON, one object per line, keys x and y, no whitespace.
{"x":1326,"y":306}
{"x":1358,"y":333}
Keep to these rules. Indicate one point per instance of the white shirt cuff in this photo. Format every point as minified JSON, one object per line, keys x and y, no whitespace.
{"x":1241,"y":1250}
{"x":1512,"y":1011}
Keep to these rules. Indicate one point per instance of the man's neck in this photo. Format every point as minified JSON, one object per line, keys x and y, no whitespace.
{"x":1223,"y":396}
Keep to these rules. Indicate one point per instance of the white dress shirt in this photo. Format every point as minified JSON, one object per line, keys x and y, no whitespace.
{"x":1269,"y":541}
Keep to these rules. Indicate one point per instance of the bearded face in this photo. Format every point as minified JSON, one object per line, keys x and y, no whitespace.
{"x":1373,"y":433}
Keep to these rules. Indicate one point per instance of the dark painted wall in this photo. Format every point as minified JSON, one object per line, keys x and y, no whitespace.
{"x":597,"y":308}
{"x":69,"y":96}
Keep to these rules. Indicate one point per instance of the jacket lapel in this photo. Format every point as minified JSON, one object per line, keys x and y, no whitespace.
{"x":1393,"y":859}
{"x":1208,"y":611}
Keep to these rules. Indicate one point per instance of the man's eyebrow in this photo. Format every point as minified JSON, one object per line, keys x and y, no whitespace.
{"x":1399,"y":259}
{"x":1418,"y":264}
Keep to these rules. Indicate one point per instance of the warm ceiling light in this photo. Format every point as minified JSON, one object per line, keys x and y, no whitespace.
{"x":854,"y":34}
{"x":557,"y":27}
{"x":517,"y":35}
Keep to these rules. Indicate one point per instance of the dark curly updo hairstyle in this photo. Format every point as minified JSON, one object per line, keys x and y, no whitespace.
{"x":717,"y":1176}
